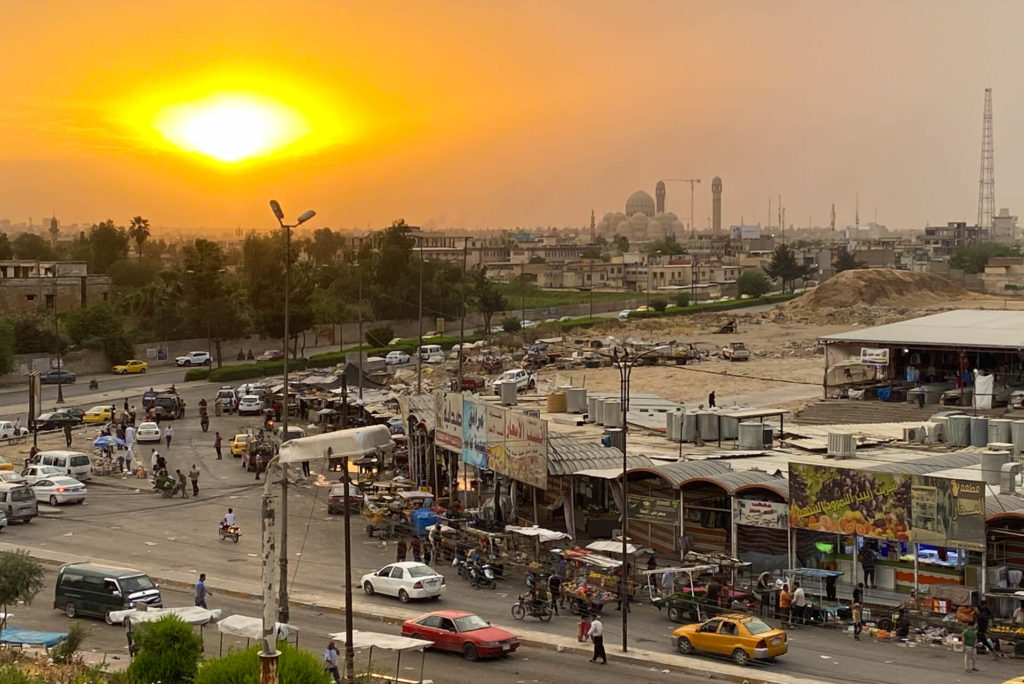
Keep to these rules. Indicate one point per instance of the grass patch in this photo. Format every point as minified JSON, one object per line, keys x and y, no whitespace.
{"x":537,"y":298}
{"x":705,"y":307}
{"x":197,"y":374}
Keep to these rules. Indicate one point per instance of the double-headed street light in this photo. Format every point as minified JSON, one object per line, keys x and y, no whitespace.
{"x":283,"y":555}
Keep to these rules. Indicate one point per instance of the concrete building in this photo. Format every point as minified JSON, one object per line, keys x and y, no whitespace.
{"x":30,"y":286}
{"x":944,"y":241}
{"x":1004,"y":227}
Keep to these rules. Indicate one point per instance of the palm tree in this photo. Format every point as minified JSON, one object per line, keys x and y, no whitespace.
{"x":139,"y":232}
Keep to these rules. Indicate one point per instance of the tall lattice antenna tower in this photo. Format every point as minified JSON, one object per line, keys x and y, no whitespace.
{"x":987,"y":181}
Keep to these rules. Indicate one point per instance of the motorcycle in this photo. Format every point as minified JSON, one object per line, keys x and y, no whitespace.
{"x":232,"y":532}
{"x":94,"y":384}
{"x":480,"y":574}
{"x":532,"y":607}
{"x":204,"y":422}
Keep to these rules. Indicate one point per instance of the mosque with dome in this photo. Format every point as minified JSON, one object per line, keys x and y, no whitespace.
{"x":645,"y":220}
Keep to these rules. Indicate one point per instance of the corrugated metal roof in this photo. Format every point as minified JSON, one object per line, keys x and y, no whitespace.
{"x":738,"y":480}
{"x":568,"y":455}
{"x":931,"y":464}
{"x":422,"y":406}
{"x":997,"y":505}
{"x":961,"y":329}
{"x":680,"y":473}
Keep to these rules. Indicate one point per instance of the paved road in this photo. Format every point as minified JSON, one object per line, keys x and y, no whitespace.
{"x":124,"y":521}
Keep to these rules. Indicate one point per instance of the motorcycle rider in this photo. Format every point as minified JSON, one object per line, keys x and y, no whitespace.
{"x":241,"y":355}
{"x":229,"y":519}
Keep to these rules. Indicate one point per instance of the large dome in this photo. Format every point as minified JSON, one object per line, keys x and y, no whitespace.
{"x":640,"y":203}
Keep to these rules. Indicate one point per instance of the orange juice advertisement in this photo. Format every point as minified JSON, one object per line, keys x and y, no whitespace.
{"x":847,"y":501}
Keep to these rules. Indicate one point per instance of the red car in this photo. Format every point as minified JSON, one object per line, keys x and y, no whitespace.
{"x":459,"y":630}
{"x":271,"y":355}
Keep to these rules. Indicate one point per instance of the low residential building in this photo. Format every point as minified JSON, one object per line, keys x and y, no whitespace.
{"x":28,"y":286}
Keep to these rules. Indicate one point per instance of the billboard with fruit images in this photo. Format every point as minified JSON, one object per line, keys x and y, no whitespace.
{"x":848,"y":501}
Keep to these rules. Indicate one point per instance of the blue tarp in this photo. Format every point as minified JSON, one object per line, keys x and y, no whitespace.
{"x":15,"y":635}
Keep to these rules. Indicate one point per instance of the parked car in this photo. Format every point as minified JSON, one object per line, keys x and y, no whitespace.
{"x":396,"y":357}
{"x":406,"y":580}
{"x":11,"y":476}
{"x":239,"y":442}
{"x":32,"y":473}
{"x":98,"y":414}
{"x":336,"y":499}
{"x":55,"y":421}
{"x":71,"y":463}
{"x":624,"y":315}
{"x":168,"y":406}
{"x":518,"y":377}
{"x":131,"y":366}
{"x":735,"y":351}
{"x":250,"y":403}
{"x":148,"y":432}
{"x":271,"y":355}
{"x":8,"y":431}
{"x":743,"y":637}
{"x":17,"y":501}
{"x":59,"y":490}
{"x":57,"y":377}
{"x":5,"y":465}
{"x":463,"y":632}
{"x":428,"y":351}
{"x":227,"y":399}
{"x":74,"y":412}
{"x":87,"y":589}
{"x":193,"y":358}
{"x":528,"y":324}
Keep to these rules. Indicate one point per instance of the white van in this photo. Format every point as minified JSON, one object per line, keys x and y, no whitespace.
{"x":428,"y":350}
{"x":74,"y":463}
{"x":227,"y":399}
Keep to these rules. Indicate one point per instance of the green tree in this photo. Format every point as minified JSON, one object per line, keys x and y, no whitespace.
{"x":138,"y":231}
{"x":6,"y":248}
{"x":511,"y":325}
{"x":380,"y":336}
{"x":107,"y":243}
{"x":169,"y":650}
{"x":33,"y":247}
{"x":592,"y":253}
{"x":99,"y":326}
{"x":323,"y":248}
{"x":621,"y":243}
{"x":32,"y":334}
{"x":489,"y":299}
{"x":681,"y":299}
{"x":242,"y":667}
{"x":666,"y":246}
{"x":785,"y":267}
{"x":846,"y":261}
{"x":538,"y":260}
{"x":21,"y":578}
{"x":659,"y":304}
{"x":754,"y":283}
{"x":973,"y":259}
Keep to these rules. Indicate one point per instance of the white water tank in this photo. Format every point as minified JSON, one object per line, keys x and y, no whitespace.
{"x":1017,"y":436}
{"x":999,"y":430}
{"x":992,"y":465}
{"x":688,"y":431}
{"x":611,"y":413}
{"x":751,"y":435}
{"x":979,"y":432}
{"x":958,"y":431}
{"x":576,"y":399}
{"x":707,"y":425}
{"x":729,"y":427}
{"x":592,"y":409}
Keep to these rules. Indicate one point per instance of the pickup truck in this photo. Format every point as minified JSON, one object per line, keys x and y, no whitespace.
{"x":518,"y":377}
{"x":735,"y":351}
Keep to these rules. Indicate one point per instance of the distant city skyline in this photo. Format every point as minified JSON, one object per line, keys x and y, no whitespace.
{"x":477,"y":116}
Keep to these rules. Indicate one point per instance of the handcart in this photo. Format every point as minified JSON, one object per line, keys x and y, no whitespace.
{"x":683,"y":603}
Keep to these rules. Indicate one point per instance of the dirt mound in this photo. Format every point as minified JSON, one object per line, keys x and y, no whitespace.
{"x":877,"y":288}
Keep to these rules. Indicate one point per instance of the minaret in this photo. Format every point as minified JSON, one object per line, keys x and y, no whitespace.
{"x":716,"y":205}
{"x":659,"y":197}
{"x":593,"y":227}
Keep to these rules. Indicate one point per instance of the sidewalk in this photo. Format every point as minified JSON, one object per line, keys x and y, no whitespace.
{"x":396,"y":615}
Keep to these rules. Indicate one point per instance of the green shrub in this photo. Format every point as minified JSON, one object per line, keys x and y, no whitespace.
{"x":197,"y":374}
{"x":659,"y":304}
{"x":681,"y":299}
{"x":169,"y":651}
{"x":511,"y":325}
{"x":242,"y":667}
{"x":248,"y":371}
{"x":380,"y":335}
{"x":66,"y":651}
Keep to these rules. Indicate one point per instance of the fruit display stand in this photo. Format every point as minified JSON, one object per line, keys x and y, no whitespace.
{"x":592,"y":580}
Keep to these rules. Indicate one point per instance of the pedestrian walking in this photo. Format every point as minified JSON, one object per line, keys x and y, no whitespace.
{"x":799,"y":603}
{"x":168,"y":434}
{"x":427,"y":552}
{"x":858,"y":593}
{"x":555,"y":589}
{"x":201,"y":591}
{"x":67,"y":435}
{"x":129,"y":454}
{"x":400,"y":551}
{"x":181,"y":483}
{"x":305,"y":468}
{"x":970,"y":649}
{"x":129,"y":436}
{"x":193,"y":475}
{"x":154,"y":460}
{"x":786,"y":604}
{"x":583,"y":627}
{"x":597,"y":636}
{"x":711,"y":399}
{"x":417,"y":548}
{"x":216,"y":447}
{"x":331,"y":661}
{"x":858,"y":615}
{"x":867,"y":563}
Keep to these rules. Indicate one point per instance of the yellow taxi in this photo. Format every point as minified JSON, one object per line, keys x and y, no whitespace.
{"x":97,"y":414}
{"x":130,"y":366}
{"x":238,"y":444}
{"x":742,"y":637}
{"x":1015,"y":680}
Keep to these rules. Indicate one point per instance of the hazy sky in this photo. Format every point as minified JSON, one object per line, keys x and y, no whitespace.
{"x":503,"y":114}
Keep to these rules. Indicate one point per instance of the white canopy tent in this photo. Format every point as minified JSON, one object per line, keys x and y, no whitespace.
{"x":388,"y":642}
{"x":251,"y":629}
{"x":353,"y":443}
{"x":193,"y":615}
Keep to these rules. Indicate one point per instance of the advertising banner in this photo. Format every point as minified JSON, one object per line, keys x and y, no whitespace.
{"x":874,"y":357}
{"x":948,"y":512}
{"x":448,"y":420}
{"x":474,"y":433}
{"x":653,"y":509}
{"x":844,"y":500}
{"x":768,"y":514}
{"x":495,"y":421}
{"x":525,"y":457}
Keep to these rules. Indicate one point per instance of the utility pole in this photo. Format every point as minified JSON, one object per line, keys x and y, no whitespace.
{"x":692,"y":182}
{"x":419,"y":349}
{"x":360,"y":272}
{"x":462,"y":317}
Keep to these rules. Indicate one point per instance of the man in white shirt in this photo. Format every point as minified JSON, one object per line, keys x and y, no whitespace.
{"x":229,"y":518}
{"x":597,"y":636}
{"x":799,"y":603}
{"x":129,"y":436}
{"x":331,"y":661}
{"x":668,"y":584}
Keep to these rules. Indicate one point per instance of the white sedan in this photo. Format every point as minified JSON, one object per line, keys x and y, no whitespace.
{"x":34,"y":473}
{"x":406,"y":580}
{"x":396,"y":357}
{"x":250,"y":403}
{"x":148,"y":432}
{"x":58,"y":490}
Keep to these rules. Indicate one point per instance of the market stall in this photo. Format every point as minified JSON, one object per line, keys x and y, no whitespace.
{"x":251,"y":629}
{"x":531,"y":547}
{"x":682,"y":595}
{"x":386,"y":642}
{"x":591,"y":580}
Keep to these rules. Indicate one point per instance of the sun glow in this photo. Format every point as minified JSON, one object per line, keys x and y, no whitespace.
{"x":232,"y":127}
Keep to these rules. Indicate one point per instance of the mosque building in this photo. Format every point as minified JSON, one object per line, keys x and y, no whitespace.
{"x":644,"y":219}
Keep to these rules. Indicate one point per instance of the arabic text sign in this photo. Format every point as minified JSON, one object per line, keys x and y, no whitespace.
{"x":495,"y":420}
{"x":948,"y":512}
{"x":525,"y":456}
{"x":847,"y":501}
{"x":874,"y":357}
{"x":768,"y":514}
{"x":474,"y":433}
{"x":448,"y":419}
{"x":653,"y":509}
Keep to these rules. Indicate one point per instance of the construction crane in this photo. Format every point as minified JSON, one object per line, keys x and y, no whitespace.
{"x":692,"y":182}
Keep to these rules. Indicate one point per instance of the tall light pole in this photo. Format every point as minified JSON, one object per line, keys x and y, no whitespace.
{"x":282,"y":608}
{"x":359,"y":273}
{"x":462,"y":312}
{"x":419,"y":348}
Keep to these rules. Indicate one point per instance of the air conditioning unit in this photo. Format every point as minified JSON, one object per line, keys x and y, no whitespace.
{"x":936,"y":433}
{"x":915,"y":435}
{"x":841,"y":445}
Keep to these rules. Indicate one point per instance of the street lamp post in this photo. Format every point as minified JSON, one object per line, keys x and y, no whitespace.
{"x":419,"y":316}
{"x":283,"y":520}
{"x":56,"y":334}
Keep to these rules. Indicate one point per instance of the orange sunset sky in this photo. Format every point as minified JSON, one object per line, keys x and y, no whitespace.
{"x":503,"y":114}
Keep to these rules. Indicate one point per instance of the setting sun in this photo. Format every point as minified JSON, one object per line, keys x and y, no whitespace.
{"x":232,"y":127}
